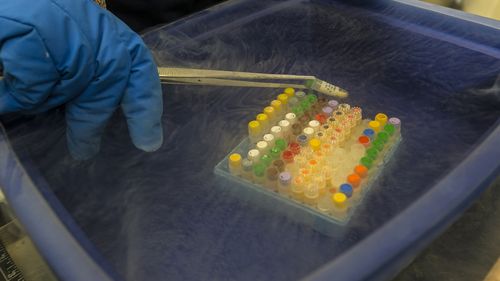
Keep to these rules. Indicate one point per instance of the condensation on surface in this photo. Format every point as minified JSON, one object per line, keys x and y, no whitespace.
{"x":165,"y":216}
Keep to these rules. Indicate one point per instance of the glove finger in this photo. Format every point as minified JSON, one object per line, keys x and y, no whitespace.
{"x":142,"y":102}
{"x":88,"y":115}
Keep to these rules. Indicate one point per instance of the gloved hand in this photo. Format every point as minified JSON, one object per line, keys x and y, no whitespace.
{"x":73,"y":52}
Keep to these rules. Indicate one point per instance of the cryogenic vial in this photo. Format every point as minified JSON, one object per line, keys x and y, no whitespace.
{"x":297,"y":190}
{"x":396,"y":123}
{"x":381,"y":118}
{"x":311,"y":194}
{"x":246,"y":166}
{"x":283,"y":98}
{"x":278,"y":109}
{"x":314,"y":124}
{"x":263,"y":120}
{"x":300,"y":95}
{"x":234,"y":164}
{"x":344,"y":107}
{"x":325,"y":203}
{"x":263,"y":147}
{"x":254,"y":155}
{"x":259,"y":172}
{"x":272,"y":178}
{"x":291,"y":117}
{"x":333,"y":104}
{"x":269,"y":138}
{"x":339,"y":206}
{"x":309,"y":132}
{"x":276,"y":132}
{"x":284,"y":183}
{"x":271,"y":114}
{"x":279,"y":165}
{"x":285,"y":128}
{"x":254,"y":131}
{"x":374,"y":125}
{"x":315,"y":144}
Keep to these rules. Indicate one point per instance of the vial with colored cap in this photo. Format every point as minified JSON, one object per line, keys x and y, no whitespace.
{"x":302,"y":140}
{"x":290,"y":92}
{"x":312,"y":98}
{"x":367,"y":162}
{"x":291,"y":117}
{"x":327,"y":149}
{"x":309,"y":132}
{"x":364,"y":140}
{"x":378,"y":144}
{"x":283,"y":98}
{"x":333,"y":104}
{"x":281,"y":144}
{"x":389,"y":129}
{"x":259,"y":172}
{"x":346,"y":189}
{"x":294,"y":148}
{"x":296,"y":130}
{"x":306,"y":173}
{"x":234,"y":163}
{"x":279,"y":164}
{"x":263,"y":120}
{"x":354,"y":180}
{"x":275,"y":153}
{"x":313,"y":165}
{"x":271,"y":114}
{"x":278,"y":108}
{"x":254,"y":131}
{"x":263,"y":147}
{"x":272,"y":178}
{"x":305,"y":105}
{"x":254,"y":155}
{"x":315,"y":144}
{"x":287,"y":156}
{"x":361,"y":171}
{"x":375,"y":126}
{"x":246,"y":166}
{"x":276,"y":131}
{"x":321,"y":118}
{"x":285,"y":128}
{"x":381,"y":118}
{"x":383,"y":137}
{"x":300,"y":95}
{"x":396,"y":123}
{"x":369,"y":133}
{"x":372,"y":153}
{"x":266,"y":160}
{"x":269,"y":138}
{"x":298,"y":111}
{"x":327,"y":111}
{"x":339,"y":206}
{"x":284,"y":183}
{"x":293,"y":102}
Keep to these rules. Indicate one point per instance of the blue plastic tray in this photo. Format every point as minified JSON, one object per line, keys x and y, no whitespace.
{"x":165,"y":216}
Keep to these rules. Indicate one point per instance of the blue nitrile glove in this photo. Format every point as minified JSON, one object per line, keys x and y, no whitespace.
{"x":73,"y":52}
